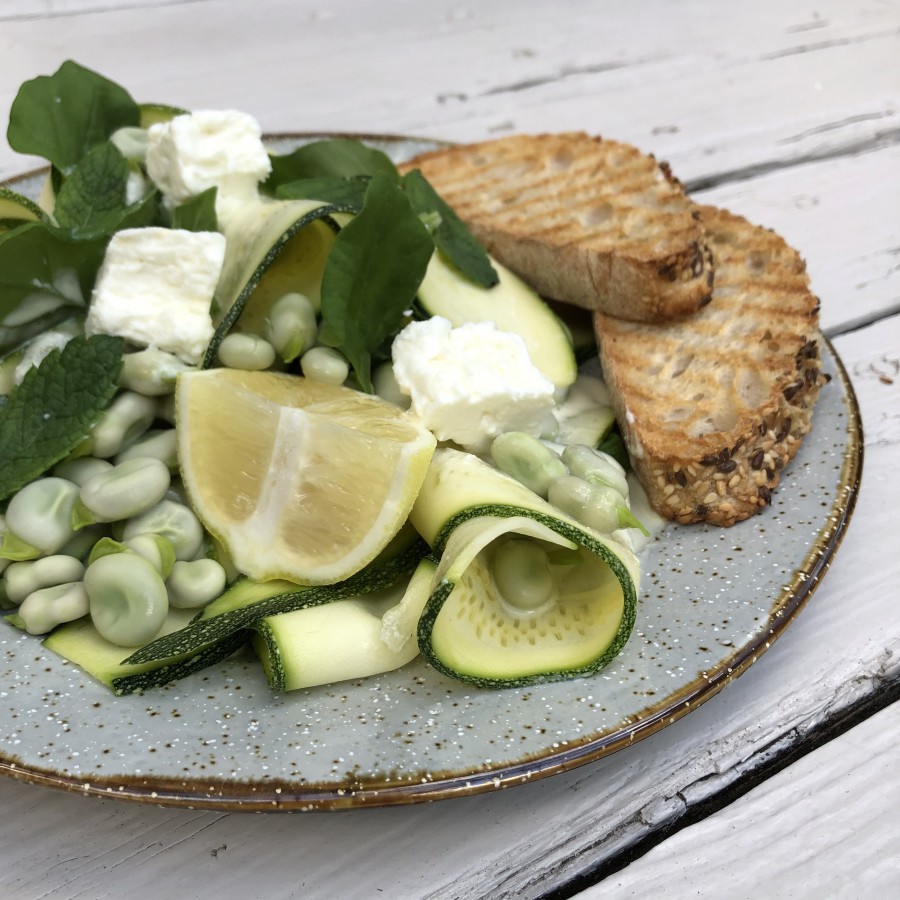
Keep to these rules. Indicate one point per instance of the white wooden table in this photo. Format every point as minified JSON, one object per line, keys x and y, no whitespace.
{"x":786,"y":784}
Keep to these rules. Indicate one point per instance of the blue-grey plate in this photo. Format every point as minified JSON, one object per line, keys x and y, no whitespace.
{"x":713,"y":600}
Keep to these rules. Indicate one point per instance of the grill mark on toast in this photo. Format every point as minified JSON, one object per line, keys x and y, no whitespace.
{"x":735,"y":384}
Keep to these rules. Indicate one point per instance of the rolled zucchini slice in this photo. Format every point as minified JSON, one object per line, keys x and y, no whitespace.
{"x":347,"y":639}
{"x":522,"y":593}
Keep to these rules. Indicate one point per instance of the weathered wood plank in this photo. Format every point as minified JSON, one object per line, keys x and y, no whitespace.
{"x":672,"y":86}
{"x":826,"y":826}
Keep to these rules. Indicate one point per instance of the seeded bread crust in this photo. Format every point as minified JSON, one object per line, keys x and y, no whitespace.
{"x":713,"y":407}
{"x":584,"y":220}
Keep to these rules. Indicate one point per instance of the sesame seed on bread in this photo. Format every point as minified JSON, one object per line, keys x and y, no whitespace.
{"x":714,"y":405}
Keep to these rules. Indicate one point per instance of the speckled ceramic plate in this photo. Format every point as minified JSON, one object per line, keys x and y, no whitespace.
{"x":713,"y":600}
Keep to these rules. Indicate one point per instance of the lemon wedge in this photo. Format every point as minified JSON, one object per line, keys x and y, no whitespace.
{"x":297,"y":479}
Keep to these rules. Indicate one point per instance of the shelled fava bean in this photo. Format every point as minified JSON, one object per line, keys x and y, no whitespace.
{"x":58,"y":558}
{"x":582,"y":482}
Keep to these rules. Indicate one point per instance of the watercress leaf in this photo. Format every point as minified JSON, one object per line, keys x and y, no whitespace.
{"x":451,"y":235}
{"x":54,"y":408}
{"x":42,"y":268}
{"x":372,"y":274}
{"x":198,"y":213}
{"x":333,"y":158}
{"x":61,"y":116}
{"x":91,"y":200}
{"x":343,"y":193}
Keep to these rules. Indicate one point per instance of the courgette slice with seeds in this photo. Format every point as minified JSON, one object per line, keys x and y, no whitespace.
{"x":247,"y":602}
{"x":347,"y":639}
{"x":80,"y":643}
{"x":472,"y":628}
{"x":16,"y":209}
{"x":272,"y":247}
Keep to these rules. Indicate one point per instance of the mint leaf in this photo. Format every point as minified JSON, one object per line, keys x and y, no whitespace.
{"x":54,"y":408}
{"x":335,"y":158}
{"x":451,"y":236}
{"x":39,"y":265}
{"x":198,"y":213}
{"x":62,"y":116}
{"x":347,"y":194}
{"x":91,"y":200}
{"x":374,"y":269}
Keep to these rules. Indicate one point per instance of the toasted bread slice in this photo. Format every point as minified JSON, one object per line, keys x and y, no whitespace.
{"x":712,"y":407}
{"x":588,"y":221}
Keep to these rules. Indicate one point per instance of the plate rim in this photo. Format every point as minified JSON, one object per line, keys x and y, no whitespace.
{"x":218,"y":793}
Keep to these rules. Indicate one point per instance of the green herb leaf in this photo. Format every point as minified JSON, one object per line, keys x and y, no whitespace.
{"x":343,"y":193}
{"x":52,"y":411}
{"x":198,"y":213}
{"x":42,"y":267}
{"x":451,"y":235}
{"x":613,"y":445}
{"x":91,"y":200}
{"x":335,"y":158}
{"x":62,"y":116}
{"x":372,"y":274}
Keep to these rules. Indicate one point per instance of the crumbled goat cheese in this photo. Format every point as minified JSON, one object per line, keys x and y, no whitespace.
{"x":207,"y":148}
{"x":155,"y":289}
{"x":471,"y":383}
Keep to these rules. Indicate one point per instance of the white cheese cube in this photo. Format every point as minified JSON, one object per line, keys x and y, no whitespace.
{"x":471,"y":383}
{"x":155,"y":289}
{"x":208,"y":148}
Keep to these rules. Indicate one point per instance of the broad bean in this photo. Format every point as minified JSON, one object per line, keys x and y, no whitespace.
{"x":23,"y":578}
{"x":151,"y":372}
{"x":127,"y":489}
{"x":40,"y":514}
{"x":325,"y":364}
{"x":192,"y":584}
{"x":81,"y":468}
{"x":128,"y":417}
{"x":42,"y":610}
{"x":158,"y":443}
{"x":173,"y":521}
{"x":128,"y":598}
{"x":522,"y":574}
{"x":291,"y":325}
{"x":527,"y":460}
{"x":593,"y":505}
{"x":157,"y":550}
{"x":246,"y":351}
{"x":596,"y":467}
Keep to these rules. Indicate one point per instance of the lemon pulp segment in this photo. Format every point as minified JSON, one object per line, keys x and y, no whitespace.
{"x":299,"y":480}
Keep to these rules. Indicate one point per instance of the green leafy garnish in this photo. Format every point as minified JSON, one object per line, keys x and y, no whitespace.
{"x":62,"y":116}
{"x":614,"y":446}
{"x":451,"y":235}
{"x":91,"y":200}
{"x":54,"y":408}
{"x":335,"y":158}
{"x":198,"y":213}
{"x":38,"y":263}
{"x":343,"y":193}
{"x":372,"y":274}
